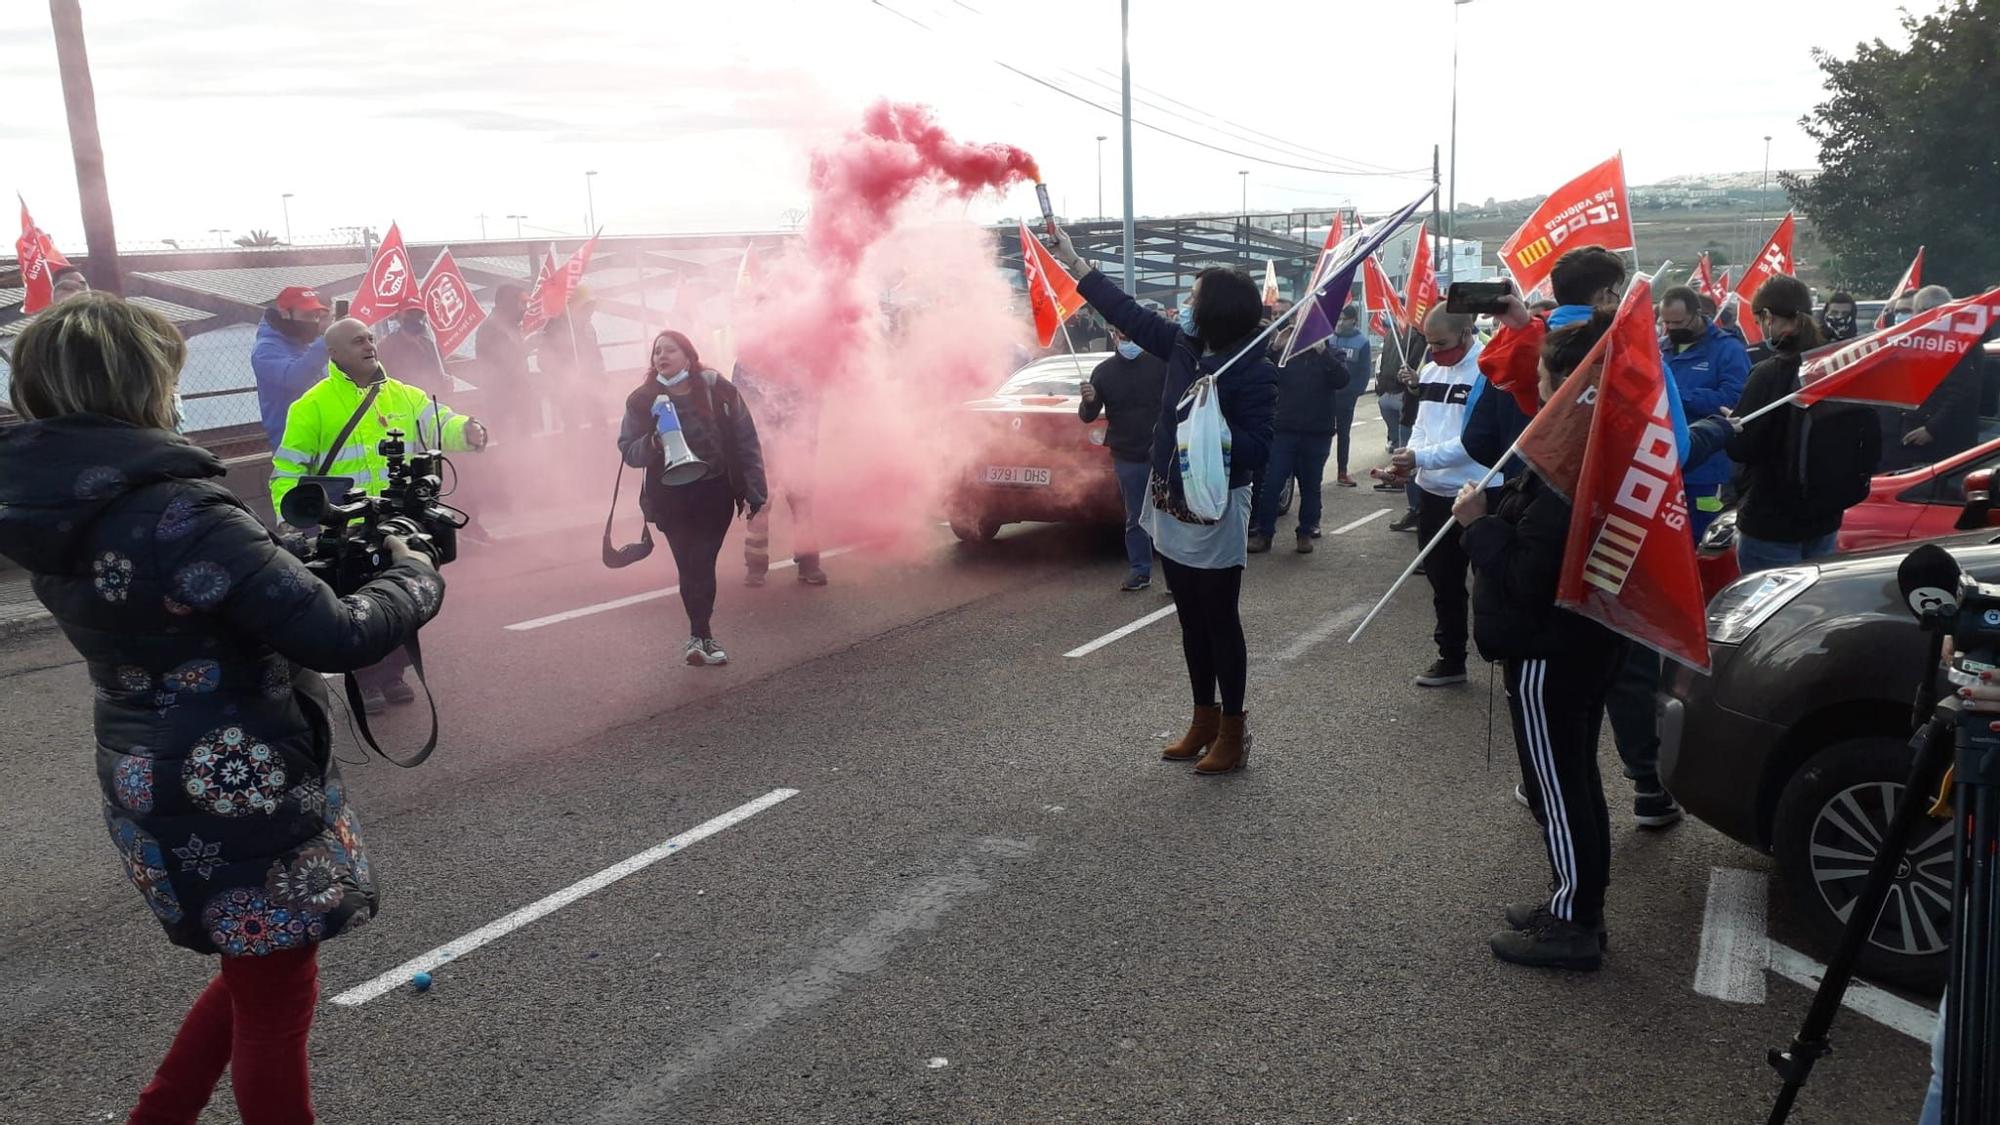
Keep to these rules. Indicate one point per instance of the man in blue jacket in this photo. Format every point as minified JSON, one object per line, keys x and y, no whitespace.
{"x":1709,"y":366}
{"x":289,"y":356}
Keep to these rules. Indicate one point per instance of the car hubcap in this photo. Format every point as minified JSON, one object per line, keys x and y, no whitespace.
{"x":1847,"y":835}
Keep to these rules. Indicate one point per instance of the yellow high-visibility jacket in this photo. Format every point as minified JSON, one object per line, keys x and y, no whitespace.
{"x":319,"y":414}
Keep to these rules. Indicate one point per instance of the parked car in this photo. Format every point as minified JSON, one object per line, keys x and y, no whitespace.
{"x":1903,"y":507}
{"x":1797,"y":740}
{"x":1027,"y":457}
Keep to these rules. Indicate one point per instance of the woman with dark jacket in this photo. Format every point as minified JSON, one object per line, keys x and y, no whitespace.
{"x":1559,"y":668}
{"x":204,"y":639}
{"x":693,"y":506}
{"x":1204,"y":559}
{"x":1801,"y":468}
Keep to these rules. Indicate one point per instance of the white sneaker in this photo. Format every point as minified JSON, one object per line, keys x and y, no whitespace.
{"x":703,"y":652}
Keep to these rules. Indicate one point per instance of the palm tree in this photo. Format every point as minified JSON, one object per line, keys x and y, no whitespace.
{"x":258,"y":238}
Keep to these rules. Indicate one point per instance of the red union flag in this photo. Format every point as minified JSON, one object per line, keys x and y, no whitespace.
{"x":39,"y":260}
{"x":448,"y":302}
{"x":1382,"y":299}
{"x":564,"y":281}
{"x":1702,"y":278}
{"x":1052,"y":294}
{"x":1422,"y":291}
{"x":1776,"y":258}
{"x":1912,"y":278}
{"x":1554,"y":442}
{"x":1629,"y":562}
{"x":1900,"y":365}
{"x":390,"y":286}
{"x":1590,"y":210}
{"x":1719,"y":292}
{"x":534,"y":315}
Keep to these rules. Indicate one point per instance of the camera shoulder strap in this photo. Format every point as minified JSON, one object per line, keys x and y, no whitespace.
{"x":360,"y":713}
{"x":353,"y":420}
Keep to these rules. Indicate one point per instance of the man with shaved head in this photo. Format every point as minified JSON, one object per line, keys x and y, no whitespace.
{"x":336,"y":428}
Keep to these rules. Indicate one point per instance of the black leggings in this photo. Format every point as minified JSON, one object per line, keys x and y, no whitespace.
{"x":1211,"y":632}
{"x":695,"y":519}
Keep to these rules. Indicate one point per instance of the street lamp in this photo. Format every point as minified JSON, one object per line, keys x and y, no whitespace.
{"x":590,"y":197}
{"x":1100,"y":176}
{"x":219,"y":233}
{"x":1245,"y":173}
{"x":285,"y":201}
{"x":1451,"y":232}
{"x":517,"y":225}
{"x":1764,"y":188}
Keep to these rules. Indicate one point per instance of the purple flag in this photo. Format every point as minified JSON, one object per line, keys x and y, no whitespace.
{"x":1332,"y":286}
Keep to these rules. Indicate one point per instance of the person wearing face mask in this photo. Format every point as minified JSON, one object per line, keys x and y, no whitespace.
{"x":1802,"y":467}
{"x":412,"y":353}
{"x":694,"y":514}
{"x":1350,"y":348}
{"x":289,"y":355}
{"x":1307,"y":420}
{"x":1840,"y":319}
{"x":1709,"y":367}
{"x":1126,"y":389}
{"x":1204,"y":558}
{"x":1947,"y":422}
{"x":67,"y":282}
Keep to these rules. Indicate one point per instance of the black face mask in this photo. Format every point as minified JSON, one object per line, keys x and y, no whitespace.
{"x":1683,"y":336}
{"x":1840,"y":327}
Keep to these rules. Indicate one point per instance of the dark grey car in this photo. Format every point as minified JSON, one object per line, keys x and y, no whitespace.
{"x":1797,"y":742}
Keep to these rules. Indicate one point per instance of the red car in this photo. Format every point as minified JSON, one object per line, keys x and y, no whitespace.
{"x":1919,"y":503}
{"x":1027,"y":457}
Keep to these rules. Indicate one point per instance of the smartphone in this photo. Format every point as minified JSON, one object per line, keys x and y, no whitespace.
{"x":340,"y":309}
{"x":1477,"y":298}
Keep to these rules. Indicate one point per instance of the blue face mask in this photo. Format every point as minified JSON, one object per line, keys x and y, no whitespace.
{"x":1129,"y":350}
{"x":1187,"y":320}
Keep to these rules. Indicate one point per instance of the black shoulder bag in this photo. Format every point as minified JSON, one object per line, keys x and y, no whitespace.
{"x":616,"y":557}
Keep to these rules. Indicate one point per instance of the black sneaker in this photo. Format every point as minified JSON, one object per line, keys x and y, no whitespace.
{"x":1385,"y":486}
{"x":1550,"y":943}
{"x":811,"y":575}
{"x":755,"y":579}
{"x":1407,"y":523}
{"x":1136,"y":582}
{"x":1259,"y":544}
{"x":1442,"y":673}
{"x":1528,"y":915}
{"x":1656,"y":809}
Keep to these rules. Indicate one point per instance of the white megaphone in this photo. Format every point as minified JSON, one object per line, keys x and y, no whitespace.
{"x":682,"y":467}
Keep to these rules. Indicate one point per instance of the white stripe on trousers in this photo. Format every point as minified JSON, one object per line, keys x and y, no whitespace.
{"x":1555,"y":809}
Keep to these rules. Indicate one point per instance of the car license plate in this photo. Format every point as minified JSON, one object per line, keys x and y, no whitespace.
{"x":1012,"y":474}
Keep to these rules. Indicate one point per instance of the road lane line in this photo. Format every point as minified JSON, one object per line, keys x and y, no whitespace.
{"x":1885,"y":1008}
{"x":1324,"y":630}
{"x":638,"y":599}
{"x":1362,"y":522}
{"x":1119,"y":634}
{"x":493,"y":931}
{"x":1735,"y":950}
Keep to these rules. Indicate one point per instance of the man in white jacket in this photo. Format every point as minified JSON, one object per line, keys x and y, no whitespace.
{"x":1446,"y":388}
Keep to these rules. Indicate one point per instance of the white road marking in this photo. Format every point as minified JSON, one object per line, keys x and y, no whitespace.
{"x":638,"y":599}
{"x":493,"y":931}
{"x":1887,"y":1009}
{"x":1120,"y":633}
{"x":1735,"y":951}
{"x":1322,"y":631}
{"x":1362,"y":522}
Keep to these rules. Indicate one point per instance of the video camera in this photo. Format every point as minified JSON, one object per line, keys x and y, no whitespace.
{"x":351,"y":547}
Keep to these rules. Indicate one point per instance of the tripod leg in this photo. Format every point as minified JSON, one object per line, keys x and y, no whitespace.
{"x":1933,"y":744}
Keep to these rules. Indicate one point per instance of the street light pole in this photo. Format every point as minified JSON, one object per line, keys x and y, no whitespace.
{"x":517,"y":225}
{"x":1100,"y":176}
{"x":285,"y":201}
{"x":1764,"y":188}
{"x":590,"y":197}
{"x":1451,"y":233}
{"x":1125,"y":56}
{"x":86,"y":146}
{"x":1245,"y":173}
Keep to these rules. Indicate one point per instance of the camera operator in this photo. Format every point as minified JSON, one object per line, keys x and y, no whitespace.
{"x":214,"y":752}
{"x":336,"y":428}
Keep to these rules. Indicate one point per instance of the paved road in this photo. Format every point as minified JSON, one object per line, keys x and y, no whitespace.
{"x":988,"y":901}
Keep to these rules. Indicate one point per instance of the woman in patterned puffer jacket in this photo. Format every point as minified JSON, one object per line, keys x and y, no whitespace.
{"x":202,"y":637}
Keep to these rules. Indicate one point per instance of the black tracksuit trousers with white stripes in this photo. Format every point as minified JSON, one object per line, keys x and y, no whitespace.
{"x":1557,"y":707}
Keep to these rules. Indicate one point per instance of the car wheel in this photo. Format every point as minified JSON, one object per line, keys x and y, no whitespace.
{"x":1285,"y":498}
{"x":981,"y":532}
{"x":1829,"y":824}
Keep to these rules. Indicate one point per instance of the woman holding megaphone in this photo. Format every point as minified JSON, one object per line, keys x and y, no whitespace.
{"x":690,"y":431}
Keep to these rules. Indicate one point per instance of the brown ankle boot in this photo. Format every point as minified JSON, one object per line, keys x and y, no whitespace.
{"x":1201,"y":734}
{"x":1231,"y":751}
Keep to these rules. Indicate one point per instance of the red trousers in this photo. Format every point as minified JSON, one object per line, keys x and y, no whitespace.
{"x":253,"y":1018}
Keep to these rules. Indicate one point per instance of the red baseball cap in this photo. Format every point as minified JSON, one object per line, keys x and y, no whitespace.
{"x":299,"y":298}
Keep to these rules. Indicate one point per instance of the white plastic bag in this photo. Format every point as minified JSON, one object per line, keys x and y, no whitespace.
{"x":1202,"y":438}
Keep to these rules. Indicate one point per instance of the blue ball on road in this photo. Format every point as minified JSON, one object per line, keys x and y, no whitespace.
{"x":421,"y":982}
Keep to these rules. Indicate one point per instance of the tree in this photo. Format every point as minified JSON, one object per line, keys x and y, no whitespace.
{"x":1909,"y":155}
{"x":259,"y":238}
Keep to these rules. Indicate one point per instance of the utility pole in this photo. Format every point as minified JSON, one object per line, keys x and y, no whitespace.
{"x":590,"y":197}
{"x":1437,"y":228}
{"x":86,"y":147}
{"x":285,"y":201}
{"x":1451,"y":240}
{"x":1245,"y":173}
{"x":482,"y":226}
{"x":1125,"y":55}
{"x":1764,"y":188}
{"x":1100,"y":176}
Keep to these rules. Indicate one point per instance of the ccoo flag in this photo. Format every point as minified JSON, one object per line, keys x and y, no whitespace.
{"x":1900,"y":365}
{"x":1421,"y":290}
{"x":563,"y":283}
{"x":449,"y":304}
{"x":1776,"y":258}
{"x":1591,"y":210}
{"x":1331,"y":287}
{"x":534,"y":315}
{"x":1052,"y":291}
{"x":1386,"y":308}
{"x":1629,"y":563}
{"x":39,"y":259}
{"x":1912,"y":279}
{"x":390,"y":286}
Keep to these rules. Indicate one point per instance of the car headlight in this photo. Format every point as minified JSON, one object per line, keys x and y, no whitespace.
{"x":1750,"y":601}
{"x":1721,"y":533}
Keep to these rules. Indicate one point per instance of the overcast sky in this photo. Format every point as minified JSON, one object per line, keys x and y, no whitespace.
{"x":699,"y":116}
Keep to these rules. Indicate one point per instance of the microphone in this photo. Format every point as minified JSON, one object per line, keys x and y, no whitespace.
{"x":1929,"y":579}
